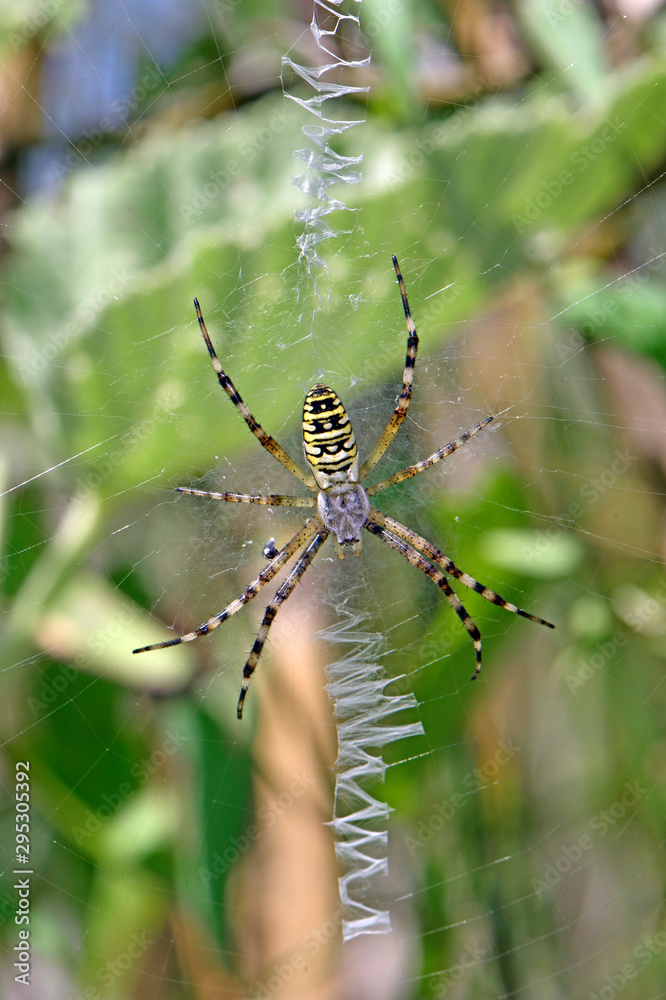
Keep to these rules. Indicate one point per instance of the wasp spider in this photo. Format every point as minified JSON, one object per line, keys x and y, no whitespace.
{"x":341,"y":506}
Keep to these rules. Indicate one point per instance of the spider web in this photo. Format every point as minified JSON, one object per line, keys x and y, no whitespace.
{"x":512,"y":159}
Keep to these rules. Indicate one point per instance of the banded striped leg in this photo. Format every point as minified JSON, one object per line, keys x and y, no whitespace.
{"x":413,"y":470}
{"x":431,"y":552}
{"x":268,"y":442}
{"x":416,"y":559}
{"x":311,"y":526}
{"x":400,"y":411}
{"x":279,"y":598}
{"x":269,"y":500}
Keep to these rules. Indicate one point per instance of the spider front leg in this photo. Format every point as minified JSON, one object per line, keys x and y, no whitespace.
{"x":413,"y":470}
{"x":268,"y":442}
{"x":280,"y":597}
{"x":416,"y":559}
{"x":266,"y":500}
{"x":402,"y":406}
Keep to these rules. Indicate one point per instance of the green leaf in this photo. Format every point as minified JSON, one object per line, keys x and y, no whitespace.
{"x":533,"y":553}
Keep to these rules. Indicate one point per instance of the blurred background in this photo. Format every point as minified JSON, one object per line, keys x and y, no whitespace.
{"x":513,"y":160}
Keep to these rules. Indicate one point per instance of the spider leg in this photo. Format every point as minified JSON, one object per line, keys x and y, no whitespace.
{"x":413,"y":470}
{"x":402,"y":406}
{"x":374,"y":526}
{"x":271,"y":500}
{"x":281,"y":595}
{"x":311,"y":526}
{"x":432,"y":552}
{"x":268,"y":442}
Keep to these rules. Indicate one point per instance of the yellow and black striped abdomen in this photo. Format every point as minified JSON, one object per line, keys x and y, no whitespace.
{"x":328,"y":438}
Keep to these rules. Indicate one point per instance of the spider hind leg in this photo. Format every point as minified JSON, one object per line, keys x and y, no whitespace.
{"x":280,"y":596}
{"x":436,"y":575}
{"x":283,"y":556}
{"x":430,"y":551}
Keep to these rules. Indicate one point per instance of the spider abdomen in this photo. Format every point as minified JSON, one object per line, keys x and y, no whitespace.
{"x":328,"y":439}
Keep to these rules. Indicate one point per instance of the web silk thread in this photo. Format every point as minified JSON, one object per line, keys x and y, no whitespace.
{"x":356,"y":685}
{"x":324,"y":167}
{"x":363,"y":712}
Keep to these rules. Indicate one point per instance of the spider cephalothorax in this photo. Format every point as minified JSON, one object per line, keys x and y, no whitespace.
{"x":341,"y":505}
